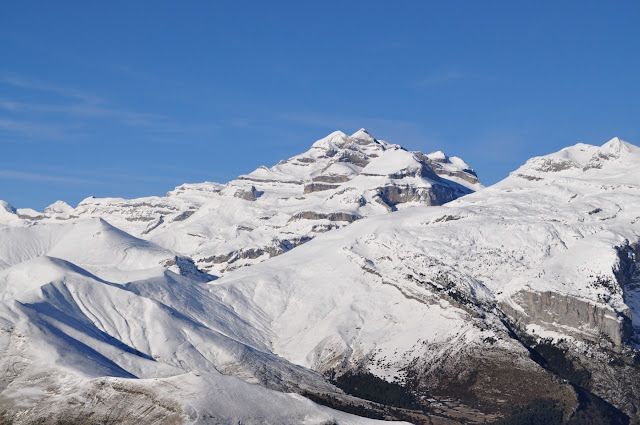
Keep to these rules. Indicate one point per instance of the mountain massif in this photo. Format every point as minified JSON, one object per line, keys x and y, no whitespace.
{"x":355,"y":282}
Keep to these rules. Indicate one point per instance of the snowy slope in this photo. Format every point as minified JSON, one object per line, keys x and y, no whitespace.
{"x":93,"y":243}
{"x":192,"y":398}
{"x":89,"y":312}
{"x":69,"y":337}
{"x":546,"y":247}
{"x":538,"y":229}
{"x":450,"y":301}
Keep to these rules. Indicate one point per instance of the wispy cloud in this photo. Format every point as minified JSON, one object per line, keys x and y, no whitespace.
{"x":68,"y":92}
{"x":22,"y":175}
{"x":83,"y":110}
{"x":36,"y":130}
{"x":147,"y":77}
{"x":80,"y":105}
{"x":9,"y":105}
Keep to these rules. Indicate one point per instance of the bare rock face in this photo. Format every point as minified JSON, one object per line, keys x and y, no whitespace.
{"x":391,"y":196}
{"x":423,"y":171}
{"x":446,"y":167}
{"x":628,"y":277}
{"x":318,"y":187}
{"x":336,"y":216}
{"x":233,"y":260}
{"x":338,"y":181}
{"x":184,"y":215}
{"x":561,"y":312}
{"x":248,"y":195}
{"x":331,"y":179}
{"x":491,"y":377}
{"x":588,"y":320}
{"x":185,"y":266}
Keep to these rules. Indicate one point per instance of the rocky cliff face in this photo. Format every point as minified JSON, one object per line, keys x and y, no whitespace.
{"x":567,"y":314}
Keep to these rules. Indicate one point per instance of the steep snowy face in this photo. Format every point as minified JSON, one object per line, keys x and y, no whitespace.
{"x":6,"y":208}
{"x":552,"y":250}
{"x":89,"y":313}
{"x":152,"y":350}
{"x":587,"y":197}
{"x":8,"y":215}
{"x":340,"y":179}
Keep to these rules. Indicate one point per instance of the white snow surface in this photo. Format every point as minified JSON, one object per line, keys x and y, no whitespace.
{"x":62,"y":328}
{"x":354,"y":291}
{"x":87,"y":302}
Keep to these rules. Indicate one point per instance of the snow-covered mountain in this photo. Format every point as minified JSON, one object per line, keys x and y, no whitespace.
{"x":525,"y":293}
{"x":271,"y":210}
{"x":104,"y":301}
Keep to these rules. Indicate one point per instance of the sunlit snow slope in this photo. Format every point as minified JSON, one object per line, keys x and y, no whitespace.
{"x":526,"y":290}
{"x":103,"y":307}
{"x":425,"y":294}
{"x":158,"y":346}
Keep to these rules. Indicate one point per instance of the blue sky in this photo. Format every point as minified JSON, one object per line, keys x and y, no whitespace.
{"x":134,"y":98}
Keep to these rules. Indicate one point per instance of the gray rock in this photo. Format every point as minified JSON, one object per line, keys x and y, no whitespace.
{"x":337,"y":216}
{"x":565,"y":313}
{"x":248,"y":195}
{"x":318,"y":187}
{"x":331,"y":179}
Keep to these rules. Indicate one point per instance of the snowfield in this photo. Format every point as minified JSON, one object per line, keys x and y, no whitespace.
{"x":224,"y":303}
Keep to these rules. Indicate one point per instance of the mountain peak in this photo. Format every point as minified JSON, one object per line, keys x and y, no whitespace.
{"x":616,"y":146}
{"x":363,"y":137}
{"x":362,"y":134}
{"x":333,"y":141}
{"x":615,"y":156}
{"x":438,"y":156}
{"x":59,"y":208}
{"x":5,"y":206}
